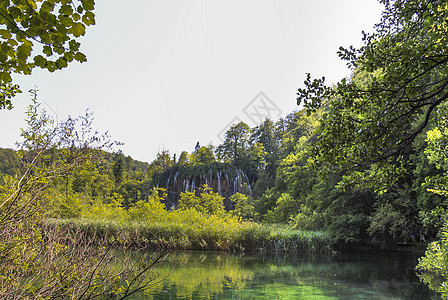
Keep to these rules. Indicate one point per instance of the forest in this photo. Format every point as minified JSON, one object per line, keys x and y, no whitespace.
{"x":360,"y":164}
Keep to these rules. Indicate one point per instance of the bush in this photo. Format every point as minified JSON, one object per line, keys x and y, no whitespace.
{"x":433,"y":267}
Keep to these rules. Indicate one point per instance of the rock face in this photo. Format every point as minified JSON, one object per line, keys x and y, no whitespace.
{"x":224,"y":179}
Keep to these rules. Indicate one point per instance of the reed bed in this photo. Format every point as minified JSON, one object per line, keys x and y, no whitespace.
{"x":202,"y":233}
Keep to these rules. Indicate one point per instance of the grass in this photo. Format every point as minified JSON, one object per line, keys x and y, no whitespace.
{"x":196,"y":231}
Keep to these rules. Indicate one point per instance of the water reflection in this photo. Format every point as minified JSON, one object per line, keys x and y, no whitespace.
{"x":211,"y":275}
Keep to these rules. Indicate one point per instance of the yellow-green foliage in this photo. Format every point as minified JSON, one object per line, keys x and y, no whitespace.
{"x":152,"y":210}
{"x":199,"y":223}
{"x":284,"y":210}
{"x":208,"y":201}
{"x":111,"y":210}
{"x":307,"y":219}
{"x":244,"y":207}
{"x":433,"y":266}
{"x":45,"y":262}
{"x":193,"y":230}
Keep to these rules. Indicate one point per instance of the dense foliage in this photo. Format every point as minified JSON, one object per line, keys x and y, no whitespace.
{"x":38,"y":33}
{"x":399,"y":79}
{"x":39,"y":260}
{"x":374,"y":126}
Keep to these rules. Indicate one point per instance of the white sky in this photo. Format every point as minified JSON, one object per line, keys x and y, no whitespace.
{"x":164,"y":74}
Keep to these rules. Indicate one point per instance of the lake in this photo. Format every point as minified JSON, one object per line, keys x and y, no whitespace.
{"x":218,"y":275}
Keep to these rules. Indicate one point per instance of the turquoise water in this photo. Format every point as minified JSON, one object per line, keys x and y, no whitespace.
{"x":211,"y":275}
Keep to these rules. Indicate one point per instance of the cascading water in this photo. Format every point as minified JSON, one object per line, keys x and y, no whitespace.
{"x":235,"y":185}
{"x":225,"y":180}
{"x":218,"y":174}
{"x":173,"y":203}
{"x":228,"y":182}
{"x":168,"y":182}
{"x":248,"y":183}
{"x":167,"y":204}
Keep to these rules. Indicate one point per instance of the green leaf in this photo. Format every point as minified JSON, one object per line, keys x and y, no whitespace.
{"x":5,"y":34}
{"x":28,"y":43}
{"x":15,"y":12}
{"x":5,"y":76}
{"x":88,"y":4}
{"x":51,"y":66}
{"x":80,"y":57}
{"x":33,"y":4}
{"x":47,"y":6}
{"x":66,"y":21}
{"x":68,"y":56}
{"x":40,"y":61}
{"x":78,"y":29}
{"x":74,"y":45}
{"x":66,"y":10}
{"x":4,"y":4}
{"x":47,"y":50}
{"x":3,"y":57}
{"x":12,"y":42}
{"x":61,"y":63}
{"x":89,"y":18}
{"x":23,"y":52}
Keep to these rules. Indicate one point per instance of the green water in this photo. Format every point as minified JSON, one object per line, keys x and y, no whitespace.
{"x":211,"y":275}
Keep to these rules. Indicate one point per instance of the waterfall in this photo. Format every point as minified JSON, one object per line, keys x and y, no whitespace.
{"x":168,"y":182}
{"x":248,"y":183}
{"x":174,"y":188}
{"x":239,"y":182}
{"x":219,"y":182}
{"x":167,"y":204}
{"x":235,"y":185}
{"x":168,"y":189}
{"x":228,"y":183}
{"x":226,"y":180}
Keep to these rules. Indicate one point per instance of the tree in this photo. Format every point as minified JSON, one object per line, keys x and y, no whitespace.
{"x":265,"y":143}
{"x":434,"y":265}
{"x":244,"y":207}
{"x":9,"y":162}
{"x":202,"y":155}
{"x":37,"y":33}
{"x":437,"y":153}
{"x":285,"y":208}
{"x":265,"y":133}
{"x":184,"y":159}
{"x":162,"y":162}
{"x":118,"y":170}
{"x":236,"y":144}
{"x":208,"y":201}
{"x":399,"y":74}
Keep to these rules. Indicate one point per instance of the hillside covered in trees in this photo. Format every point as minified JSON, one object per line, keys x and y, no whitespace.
{"x":272,"y":166}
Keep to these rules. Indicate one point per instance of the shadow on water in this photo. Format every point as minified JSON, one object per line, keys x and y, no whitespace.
{"x":217,"y":275}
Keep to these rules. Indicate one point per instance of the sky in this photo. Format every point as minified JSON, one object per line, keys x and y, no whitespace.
{"x":166,"y":74}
